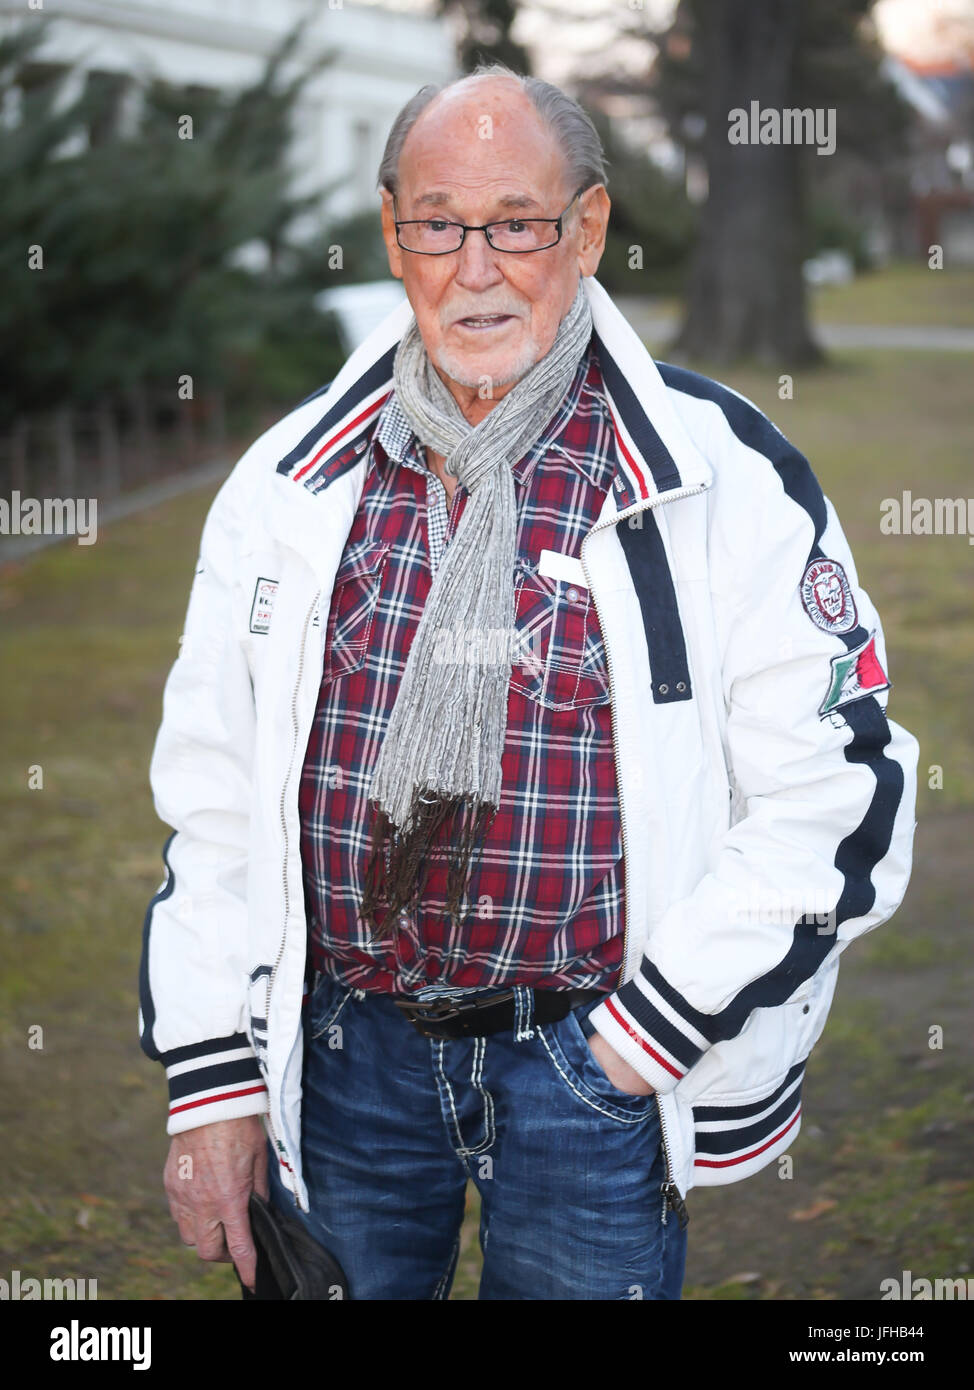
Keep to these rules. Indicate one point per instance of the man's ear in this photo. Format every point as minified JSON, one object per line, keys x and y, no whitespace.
{"x":393,"y":249}
{"x":593,"y":225}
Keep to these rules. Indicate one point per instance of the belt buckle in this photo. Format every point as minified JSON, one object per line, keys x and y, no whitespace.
{"x":447,"y":1006}
{"x":435,"y":1010}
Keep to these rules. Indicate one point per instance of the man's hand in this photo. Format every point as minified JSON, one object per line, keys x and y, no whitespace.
{"x":209,"y":1175}
{"x":620,"y":1073}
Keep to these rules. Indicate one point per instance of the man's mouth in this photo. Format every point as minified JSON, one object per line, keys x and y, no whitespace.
{"x":479,"y":322}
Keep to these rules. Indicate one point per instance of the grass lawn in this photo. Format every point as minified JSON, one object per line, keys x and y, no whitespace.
{"x":882,"y":1178}
{"x":908,"y":292}
{"x":904,"y":293}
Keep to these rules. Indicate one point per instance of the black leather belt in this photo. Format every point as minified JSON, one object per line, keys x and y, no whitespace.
{"x":478,"y":1017}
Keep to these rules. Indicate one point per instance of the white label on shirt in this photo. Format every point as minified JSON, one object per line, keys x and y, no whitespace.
{"x":563,"y":567}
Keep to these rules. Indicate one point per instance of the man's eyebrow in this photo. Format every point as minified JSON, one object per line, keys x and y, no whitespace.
{"x":512,"y":200}
{"x":519,"y":200}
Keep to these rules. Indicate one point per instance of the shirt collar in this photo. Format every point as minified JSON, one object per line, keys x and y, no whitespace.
{"x":394,"y":434}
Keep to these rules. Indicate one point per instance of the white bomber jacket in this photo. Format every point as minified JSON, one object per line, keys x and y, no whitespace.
{"x":767,"y":802}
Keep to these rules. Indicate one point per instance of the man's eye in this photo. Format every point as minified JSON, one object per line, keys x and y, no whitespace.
{"x":438,"y":225}
{"x":515,"y":225}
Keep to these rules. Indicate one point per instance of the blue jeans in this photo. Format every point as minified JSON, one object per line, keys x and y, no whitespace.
{"x":568,"y":1168}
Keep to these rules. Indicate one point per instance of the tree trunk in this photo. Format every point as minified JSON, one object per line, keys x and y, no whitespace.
{"x":746,"y":295}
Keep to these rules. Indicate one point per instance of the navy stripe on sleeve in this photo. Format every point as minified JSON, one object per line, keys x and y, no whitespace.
{"x":859,"y":852}
{"x":147,"y":1041}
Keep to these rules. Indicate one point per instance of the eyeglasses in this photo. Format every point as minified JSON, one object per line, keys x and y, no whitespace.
{"x":436,"y":237}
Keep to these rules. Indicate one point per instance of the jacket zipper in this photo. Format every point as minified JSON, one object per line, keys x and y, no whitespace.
{"x":672,"y":1197}
{"x":287,"y":899}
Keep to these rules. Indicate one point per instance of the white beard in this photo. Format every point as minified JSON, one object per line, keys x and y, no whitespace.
{"x":457,"y":370}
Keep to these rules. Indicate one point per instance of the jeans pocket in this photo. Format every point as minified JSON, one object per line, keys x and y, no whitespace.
{"x":326,"y":1003}
{"x":574,"y":1061}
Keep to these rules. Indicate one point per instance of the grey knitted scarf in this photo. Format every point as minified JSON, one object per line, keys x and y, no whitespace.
{"x":437,"y":778}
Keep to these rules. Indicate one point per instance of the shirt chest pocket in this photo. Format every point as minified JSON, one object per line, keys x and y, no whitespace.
{"x":353,"y":603}
{"x":560,"y":661}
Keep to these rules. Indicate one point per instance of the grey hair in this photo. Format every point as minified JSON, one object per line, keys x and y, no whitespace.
{"x":571,"y":126}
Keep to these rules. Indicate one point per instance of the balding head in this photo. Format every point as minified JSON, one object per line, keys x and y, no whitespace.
{"x":576,"y":136}
{"x":484,"y":135}
{"x":485,"y":120}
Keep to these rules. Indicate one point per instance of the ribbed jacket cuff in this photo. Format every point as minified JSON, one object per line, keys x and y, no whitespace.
{"x":214,"y":1080}
{"x":649,"y":1034}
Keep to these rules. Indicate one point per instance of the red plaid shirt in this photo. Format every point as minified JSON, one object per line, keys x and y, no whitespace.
{"x":546,"y":897}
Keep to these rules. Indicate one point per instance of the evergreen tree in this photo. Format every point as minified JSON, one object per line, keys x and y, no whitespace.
{"x":141,"y":237}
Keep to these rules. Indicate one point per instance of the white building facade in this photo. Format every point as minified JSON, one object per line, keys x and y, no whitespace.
{"x":343,"y":114}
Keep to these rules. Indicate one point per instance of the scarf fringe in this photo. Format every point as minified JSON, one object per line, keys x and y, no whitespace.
{"x":398,"y":864}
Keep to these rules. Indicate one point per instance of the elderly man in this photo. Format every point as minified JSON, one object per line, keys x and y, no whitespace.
{"x":528,"y":766}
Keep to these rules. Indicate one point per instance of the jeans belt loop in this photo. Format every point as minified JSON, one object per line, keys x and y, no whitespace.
{"x":523,"y":1013}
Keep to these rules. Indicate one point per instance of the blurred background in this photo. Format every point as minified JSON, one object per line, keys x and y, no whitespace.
{"x":190,"y":245}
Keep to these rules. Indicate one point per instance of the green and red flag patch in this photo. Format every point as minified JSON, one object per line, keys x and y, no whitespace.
{"x":855,"y":675}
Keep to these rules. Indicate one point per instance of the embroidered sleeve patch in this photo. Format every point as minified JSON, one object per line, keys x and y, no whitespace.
{"x":855,"y":675}
{"x":265,"y":591}
{"x":826,"y":596}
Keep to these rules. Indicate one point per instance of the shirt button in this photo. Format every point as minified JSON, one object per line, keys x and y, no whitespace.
{"x":573,"y":595}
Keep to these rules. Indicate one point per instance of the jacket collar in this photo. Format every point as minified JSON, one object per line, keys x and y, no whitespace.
{"x":655,"y":452}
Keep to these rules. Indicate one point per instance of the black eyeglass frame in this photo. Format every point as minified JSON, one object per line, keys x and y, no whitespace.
{"x":417,"y":221}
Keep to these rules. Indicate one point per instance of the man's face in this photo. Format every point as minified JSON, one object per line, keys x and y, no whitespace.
{"x":480,"y":153}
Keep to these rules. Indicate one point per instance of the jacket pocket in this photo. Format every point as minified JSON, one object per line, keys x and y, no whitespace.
{"x":560,"y":662}
{"x":738,"y":1132}
{"x":772,"y":1043}
{"x":353,"y":603}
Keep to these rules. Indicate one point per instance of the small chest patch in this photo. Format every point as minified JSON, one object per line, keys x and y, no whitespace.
{"x":827,"y":596}
{"x":265,"y":591}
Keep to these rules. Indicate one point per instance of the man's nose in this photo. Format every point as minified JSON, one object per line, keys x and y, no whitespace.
{"x":477,"y":267}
